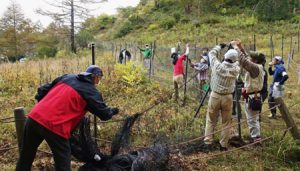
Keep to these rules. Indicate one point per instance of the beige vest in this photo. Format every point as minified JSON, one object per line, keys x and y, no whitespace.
{"x":254,"y":84}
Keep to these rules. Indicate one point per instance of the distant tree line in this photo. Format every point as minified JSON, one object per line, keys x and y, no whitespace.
{"x":73,"y":27}
{"x":267,"y":10}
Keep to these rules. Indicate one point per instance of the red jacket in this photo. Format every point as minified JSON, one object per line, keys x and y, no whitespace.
{"x":178,"y":67}
{"x":65,"y":101}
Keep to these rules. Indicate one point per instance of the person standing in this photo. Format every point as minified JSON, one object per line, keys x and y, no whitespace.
{"x":124,"y":56}
{"x":222,"y":84}
{"x":147,"y":53}
{"x":277,"y":87}
{"x":61,"y":105}
{"x":202,"y":76}
{"x":254,"y":80}
{"x":178,"y":73}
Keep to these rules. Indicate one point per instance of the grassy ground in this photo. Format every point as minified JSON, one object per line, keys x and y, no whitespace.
{"x":133,"y":93}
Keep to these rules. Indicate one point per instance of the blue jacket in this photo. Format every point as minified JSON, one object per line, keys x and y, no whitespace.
{"x":278,"y":75}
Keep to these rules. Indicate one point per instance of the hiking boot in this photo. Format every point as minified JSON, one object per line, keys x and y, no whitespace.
{"x":256,"y":140}
{"x":271,"y":116}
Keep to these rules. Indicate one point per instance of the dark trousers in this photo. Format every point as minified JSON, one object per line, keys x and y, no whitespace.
{"x":272,"y":103}
{"x":264,"y":95}
{"x":34,"y":134}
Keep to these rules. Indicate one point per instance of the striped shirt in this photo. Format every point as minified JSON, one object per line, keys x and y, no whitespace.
{"x":223,"y":74}
{"x":203,"y":71}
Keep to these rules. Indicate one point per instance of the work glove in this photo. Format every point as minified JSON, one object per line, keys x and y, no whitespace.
{"x":115,"y":111}
{"x":223,"y":45}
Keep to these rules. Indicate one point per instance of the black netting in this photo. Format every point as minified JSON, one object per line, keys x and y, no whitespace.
{"x":122,"y":137}
{"x":84,"y":148}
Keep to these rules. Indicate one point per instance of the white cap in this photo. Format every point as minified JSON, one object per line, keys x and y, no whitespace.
{"x":173,"y":50}
{"x":232,"y":55}
{"x":278,"y":58}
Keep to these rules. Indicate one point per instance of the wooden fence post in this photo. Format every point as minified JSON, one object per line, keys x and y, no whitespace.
{"x":20,"y":123}
{"x":298,"y":74}
{"x":288,"y":119}
{"x":298,"y":41}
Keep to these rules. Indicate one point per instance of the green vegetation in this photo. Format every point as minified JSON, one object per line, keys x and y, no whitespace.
{"x":128,"y":87}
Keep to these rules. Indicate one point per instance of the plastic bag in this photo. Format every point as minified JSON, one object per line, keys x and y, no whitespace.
{"x":278,"y":90}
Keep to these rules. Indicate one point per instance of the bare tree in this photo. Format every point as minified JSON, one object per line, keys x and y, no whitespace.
{"x":71,"y":12}
{"x":12,"y":21}
{"x":17,"y":32}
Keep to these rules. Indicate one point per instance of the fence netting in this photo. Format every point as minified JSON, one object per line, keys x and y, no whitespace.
{"x":84,"y":148}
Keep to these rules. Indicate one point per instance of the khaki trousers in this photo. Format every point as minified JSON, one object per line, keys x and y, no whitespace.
{"x":218,"y":105}
{"x":178,"y":84}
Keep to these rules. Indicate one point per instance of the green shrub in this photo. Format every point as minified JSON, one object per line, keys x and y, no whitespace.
{"x":210,"y":20}
{"x":153,"y":27}
{"x":125,"y":28}
{"x":296,"y":19}
{"x":62,"y":54}
{"x":84,"y":37}
{"x":167,"y":23}
{"x":136,"y":19}
{"x":185,"y":20}
{"x":131,"y":74}
{"x":105,"y":20}
{"x":177,"y":16}
{"x":47,"y":51}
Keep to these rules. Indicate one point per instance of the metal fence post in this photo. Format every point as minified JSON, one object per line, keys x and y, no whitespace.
{"x":185,"y":78}
{"x":254,"y":39}
{"x":282,"y":39}
{"x":93,"y":62}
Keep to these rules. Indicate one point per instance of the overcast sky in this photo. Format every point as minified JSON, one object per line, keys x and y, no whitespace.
{"x":29,"y":7}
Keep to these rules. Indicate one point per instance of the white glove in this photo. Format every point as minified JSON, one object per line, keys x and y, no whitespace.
{"x":97,"y":157}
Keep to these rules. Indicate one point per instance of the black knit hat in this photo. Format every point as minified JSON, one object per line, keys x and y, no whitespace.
{"x":259,"y":57}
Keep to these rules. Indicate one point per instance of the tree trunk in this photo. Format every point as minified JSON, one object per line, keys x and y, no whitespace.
{"x":73,"y":48}
{"x":15,"y":32}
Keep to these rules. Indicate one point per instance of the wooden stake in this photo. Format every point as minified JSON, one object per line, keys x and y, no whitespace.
{"x":286,"y":116}
{"x":20,"y":124}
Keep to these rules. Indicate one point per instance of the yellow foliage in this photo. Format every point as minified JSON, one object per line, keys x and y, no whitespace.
{"x":131,"y":73}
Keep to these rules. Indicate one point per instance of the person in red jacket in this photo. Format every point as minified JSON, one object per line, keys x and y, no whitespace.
{"x":61,"y":105}
{"x":178,"y":71}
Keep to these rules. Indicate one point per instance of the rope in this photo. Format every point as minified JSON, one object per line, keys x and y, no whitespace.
{"x":45,"y":152}
{"x":8,"y":148}
{"x":169,"y":96}
{"x":103,"y":140}
{"x":1,"y":119}
{"x":13,"y":121}
{"x":242,"y":147}
{"x":242,"y":101}
{"x":235,"y":149}
{"x":192,"y":140}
